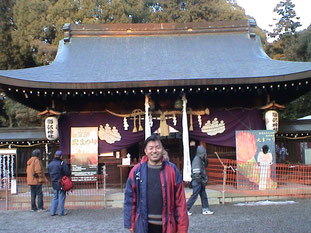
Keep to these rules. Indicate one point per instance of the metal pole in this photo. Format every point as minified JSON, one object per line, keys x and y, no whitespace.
{"x":104,"y":173}
{"x":224,"y":184}
{"x":224,"y":178}
{"x":7,"y":194}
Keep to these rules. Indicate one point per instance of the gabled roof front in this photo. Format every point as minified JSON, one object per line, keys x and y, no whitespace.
{"x":157,"y":55}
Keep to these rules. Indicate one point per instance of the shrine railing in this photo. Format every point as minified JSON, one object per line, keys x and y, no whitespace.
{"x":259,"y":179}
{"x":249,"y":179}
{"x":89,"y":192}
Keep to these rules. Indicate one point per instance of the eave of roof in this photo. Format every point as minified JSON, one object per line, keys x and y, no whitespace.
{"x":295,"y":126}
{"x":158,"y":55}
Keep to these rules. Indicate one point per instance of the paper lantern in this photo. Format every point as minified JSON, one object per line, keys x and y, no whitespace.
{"x":51,"y":128}
{"x":272,"y":120}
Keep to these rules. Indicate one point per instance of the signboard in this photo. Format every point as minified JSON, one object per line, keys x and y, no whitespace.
{"x":84,"y":151}
{"x":7,"y":167}
{"x":255,"y":151}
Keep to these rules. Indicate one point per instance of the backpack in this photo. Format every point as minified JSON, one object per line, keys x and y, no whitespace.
{"x":66,"y":184}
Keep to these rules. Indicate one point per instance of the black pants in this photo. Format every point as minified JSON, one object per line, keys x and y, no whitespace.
{"x":154,"y":228}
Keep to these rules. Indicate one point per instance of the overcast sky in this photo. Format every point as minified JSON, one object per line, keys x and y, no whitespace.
{"x":262,"y":11}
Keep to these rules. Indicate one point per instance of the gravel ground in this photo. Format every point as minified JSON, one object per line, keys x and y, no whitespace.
{"x":227,"y":218}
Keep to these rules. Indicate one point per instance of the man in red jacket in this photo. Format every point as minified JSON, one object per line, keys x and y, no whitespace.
{"x":154,"y":194}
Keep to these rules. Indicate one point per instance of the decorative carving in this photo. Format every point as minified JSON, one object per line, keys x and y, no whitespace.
{"x":200,"y":120}
{"x":109,"y":135}
{"x":214,"y":127}
{"x":125,"y":124}
{"x":150,"y":120}
{"x":174,"y":120}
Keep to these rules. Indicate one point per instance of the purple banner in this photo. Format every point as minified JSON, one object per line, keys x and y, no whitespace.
{"x":127,"y":137}
{"x":217,"y":128}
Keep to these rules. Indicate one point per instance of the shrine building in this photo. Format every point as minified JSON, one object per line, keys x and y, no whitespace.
{"x":111,"y":85}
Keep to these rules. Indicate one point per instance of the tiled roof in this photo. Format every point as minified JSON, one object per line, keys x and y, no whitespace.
{"x":149,"y":59}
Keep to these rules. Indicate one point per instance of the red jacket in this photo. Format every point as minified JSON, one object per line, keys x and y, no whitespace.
{"x":174,"y":214}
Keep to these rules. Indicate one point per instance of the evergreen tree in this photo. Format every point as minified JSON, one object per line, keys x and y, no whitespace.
{"x":195,"y":11}
{"x":10,"y":57}
{"x":288,"y":23}
{"x":33,"y":28}
{"x":18,"y":115}
{"x":302,"y":51}
{"x":303,"y":46}
{"x":284,"y":32}
{"x":34,"y":34}
{"x":5,"y":37}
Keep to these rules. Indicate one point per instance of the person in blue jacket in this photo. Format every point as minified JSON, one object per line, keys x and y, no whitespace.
{"x":154,"y":199}
{"x":57,"y":169}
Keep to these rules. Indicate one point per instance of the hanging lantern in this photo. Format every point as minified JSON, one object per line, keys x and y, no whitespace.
{"x":272,"y":120}
{"x":51,"y":128}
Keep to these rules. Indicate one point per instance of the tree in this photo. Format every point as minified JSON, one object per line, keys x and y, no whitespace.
{"x":302,"y":50}
{"x":19,"y":115}
{"x":303,"y":45}
{"x":285,"y":32}
{"x":5,"y":37}
{"x":32,"y":29}
{"x":10,"y":57}
{"x":34,"y":34}
{"x":291,"y":45}
{"x":288,"y":23}
{"x":182,"y":11}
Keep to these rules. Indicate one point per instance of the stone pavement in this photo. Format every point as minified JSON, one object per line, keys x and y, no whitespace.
{"x":227,"y":218}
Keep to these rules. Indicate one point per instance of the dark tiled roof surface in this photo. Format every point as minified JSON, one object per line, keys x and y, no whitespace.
{"x":201,"y":57}
{"x":16,"y":134}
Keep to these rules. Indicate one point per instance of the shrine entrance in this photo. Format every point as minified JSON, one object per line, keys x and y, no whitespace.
{"x":173,"y":146}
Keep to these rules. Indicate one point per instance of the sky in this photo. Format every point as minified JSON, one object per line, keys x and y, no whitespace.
{"x":262,"y":11}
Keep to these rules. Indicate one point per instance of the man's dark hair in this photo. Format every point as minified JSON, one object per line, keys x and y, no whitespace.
{"x":152,"y":138}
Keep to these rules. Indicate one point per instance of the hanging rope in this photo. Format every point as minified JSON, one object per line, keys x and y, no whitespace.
{"x":163,"y":125}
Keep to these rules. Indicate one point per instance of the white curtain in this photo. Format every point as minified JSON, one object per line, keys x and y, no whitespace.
{"x":147,"y":120}
{"x":185,"y":137}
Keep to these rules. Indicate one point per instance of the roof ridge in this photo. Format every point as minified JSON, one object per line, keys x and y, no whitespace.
{"x":143,"y":29}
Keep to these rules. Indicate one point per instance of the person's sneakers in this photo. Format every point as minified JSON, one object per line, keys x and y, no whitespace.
{"x":189,"y":213}
{"x":42,"y":210}
{"x":207,"y":211}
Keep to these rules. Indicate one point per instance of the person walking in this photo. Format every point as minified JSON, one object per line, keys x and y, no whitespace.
{"x":154,"y":199}
{"x":57,"y":169}
{"x":35,"y":179}
{"x":199,"y":181}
